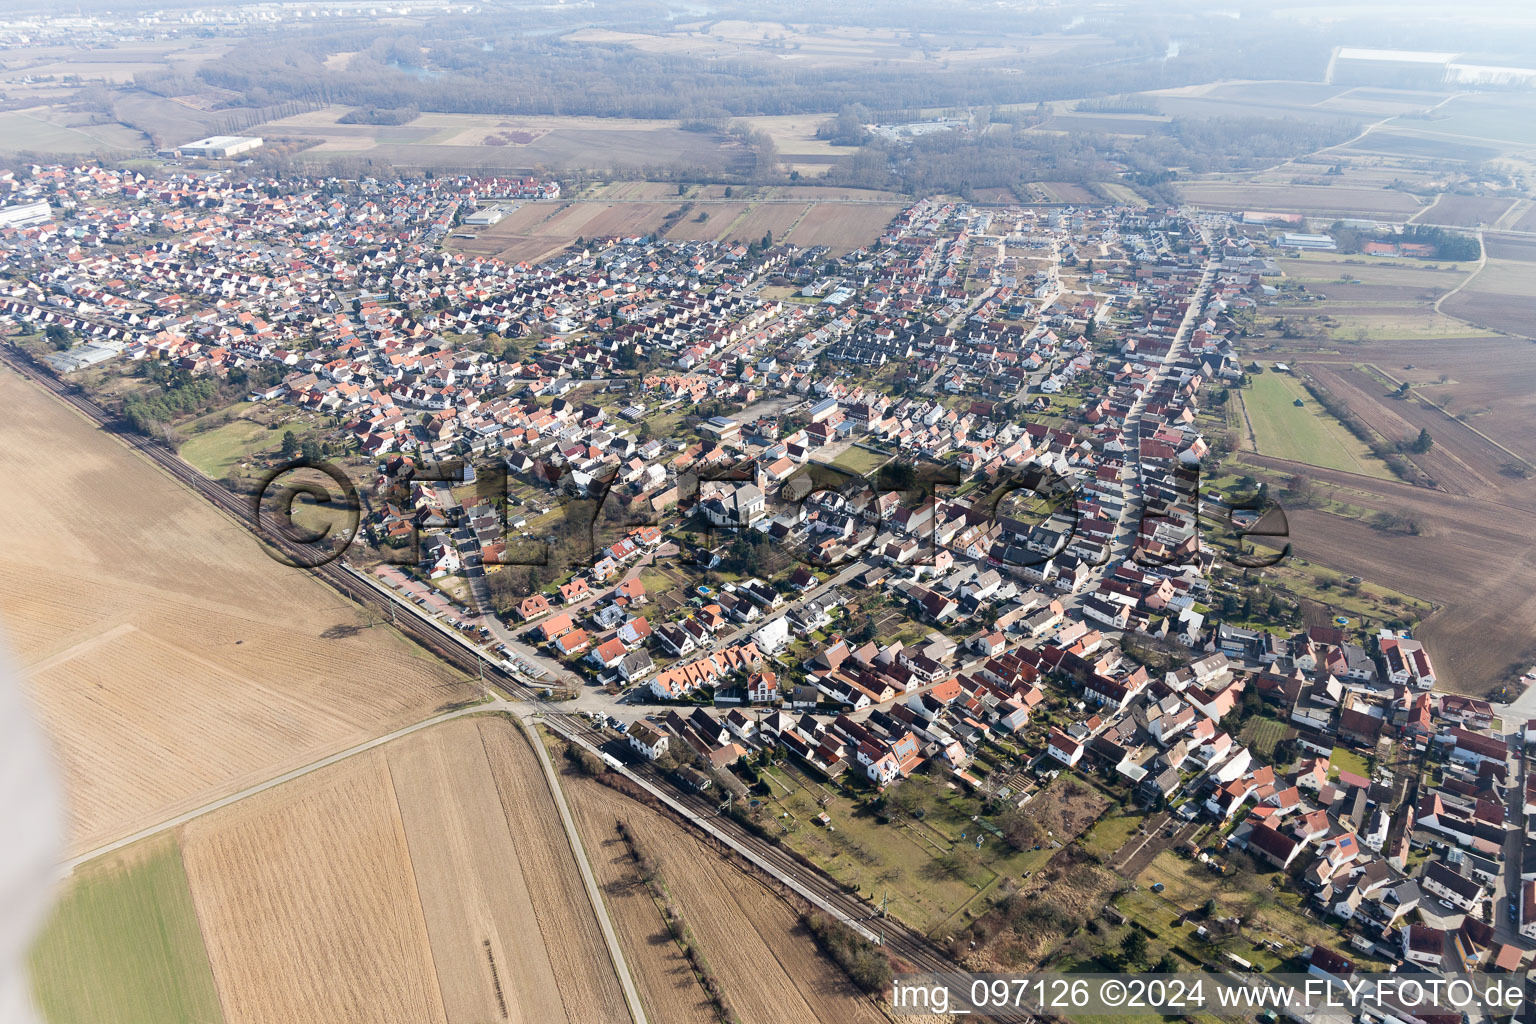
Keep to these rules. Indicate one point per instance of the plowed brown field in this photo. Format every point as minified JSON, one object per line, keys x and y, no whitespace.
{"x":1473,"y":557}
{"x":768,"y":966}
{"x":1459,"y":462}
{"x":170,"y":660}
{"x":428,"y":880}
{"x":562,"y":912}
{"x":1489,"y":383}
{"x":308,"y":906}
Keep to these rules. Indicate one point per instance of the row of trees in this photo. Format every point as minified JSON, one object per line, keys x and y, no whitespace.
{"x":1448,"y":245}
{"x":863,"y":961}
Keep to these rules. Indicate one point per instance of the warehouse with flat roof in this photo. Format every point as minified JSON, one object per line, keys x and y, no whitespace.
{"x":25,"y":215}
{"x":1295,"y":240}
{"x":221,"y":147}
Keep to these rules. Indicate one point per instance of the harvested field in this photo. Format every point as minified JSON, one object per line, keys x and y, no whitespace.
{"x":768,"y":966}
{"x":1505,"y":119}
{"x":1306,"y":199}
{"x":1489,"y":383}
{"x":588,"y":988}
{"x":1465,"y":211}
{"x":661,"y":972}
{"x":50,"y":130}
{"x":1068,"y":192}
{"x":658,"y":190}
{"x":535,"y":231}
{"x":1472,"y":557}
{"x":1527,"y":221}
{"x":794,"y":135}
{"x":718,"y":219}
{"x":1511,"y":247}
{"x":1392,"y":142}
{"x":171,"y":661}
{"x":1282,"y":93}
{"x":170,"y":121}
{"x":843,"y":226}
{"x":1460,"y":461}
{"x":308,"y":904}
{"x":777,"y":218}
{"x":1170,"y":102}
{"x":1499,"y":297}
{"x":814,"y":46}
{"x":829,"y":193}
{"x":427,"y":880}
{"x":508,"y":871}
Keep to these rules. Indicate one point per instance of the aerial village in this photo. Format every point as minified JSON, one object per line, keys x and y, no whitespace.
{"x":926,"y":506}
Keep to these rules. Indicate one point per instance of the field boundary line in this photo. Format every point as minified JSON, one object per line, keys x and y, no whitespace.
{"x":589,"y":881}
{"x":69,"y":866}
{"x":1448,"y":415}
{"x":759,"y":862}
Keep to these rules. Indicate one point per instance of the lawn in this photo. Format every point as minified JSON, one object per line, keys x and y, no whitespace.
{"x":214,"y":453}
{"x":664,"y":423}
{"x":860,"y":461}
{"x":901,"y":861}
{"x":123,"y":946}
{"x":1342,"y":760}
{"x":1262,"y":734}
{"x":1111,"y":832}
{"x":1304,"y":434}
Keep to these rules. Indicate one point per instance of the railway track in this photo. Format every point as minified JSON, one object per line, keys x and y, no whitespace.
{"x":917,"y":952}
{"x":907,"y":946}
{"x":238,"y":507}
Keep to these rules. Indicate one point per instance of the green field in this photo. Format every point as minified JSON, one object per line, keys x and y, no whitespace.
{"x":1306,"y":433}
{"x":123,"y":946}
{"x":216,"y":452}
{"x":860,"y":461}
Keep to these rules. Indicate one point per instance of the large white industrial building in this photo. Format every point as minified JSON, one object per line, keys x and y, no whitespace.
{"x":25,"y":215}
{"x":221,"y":147}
